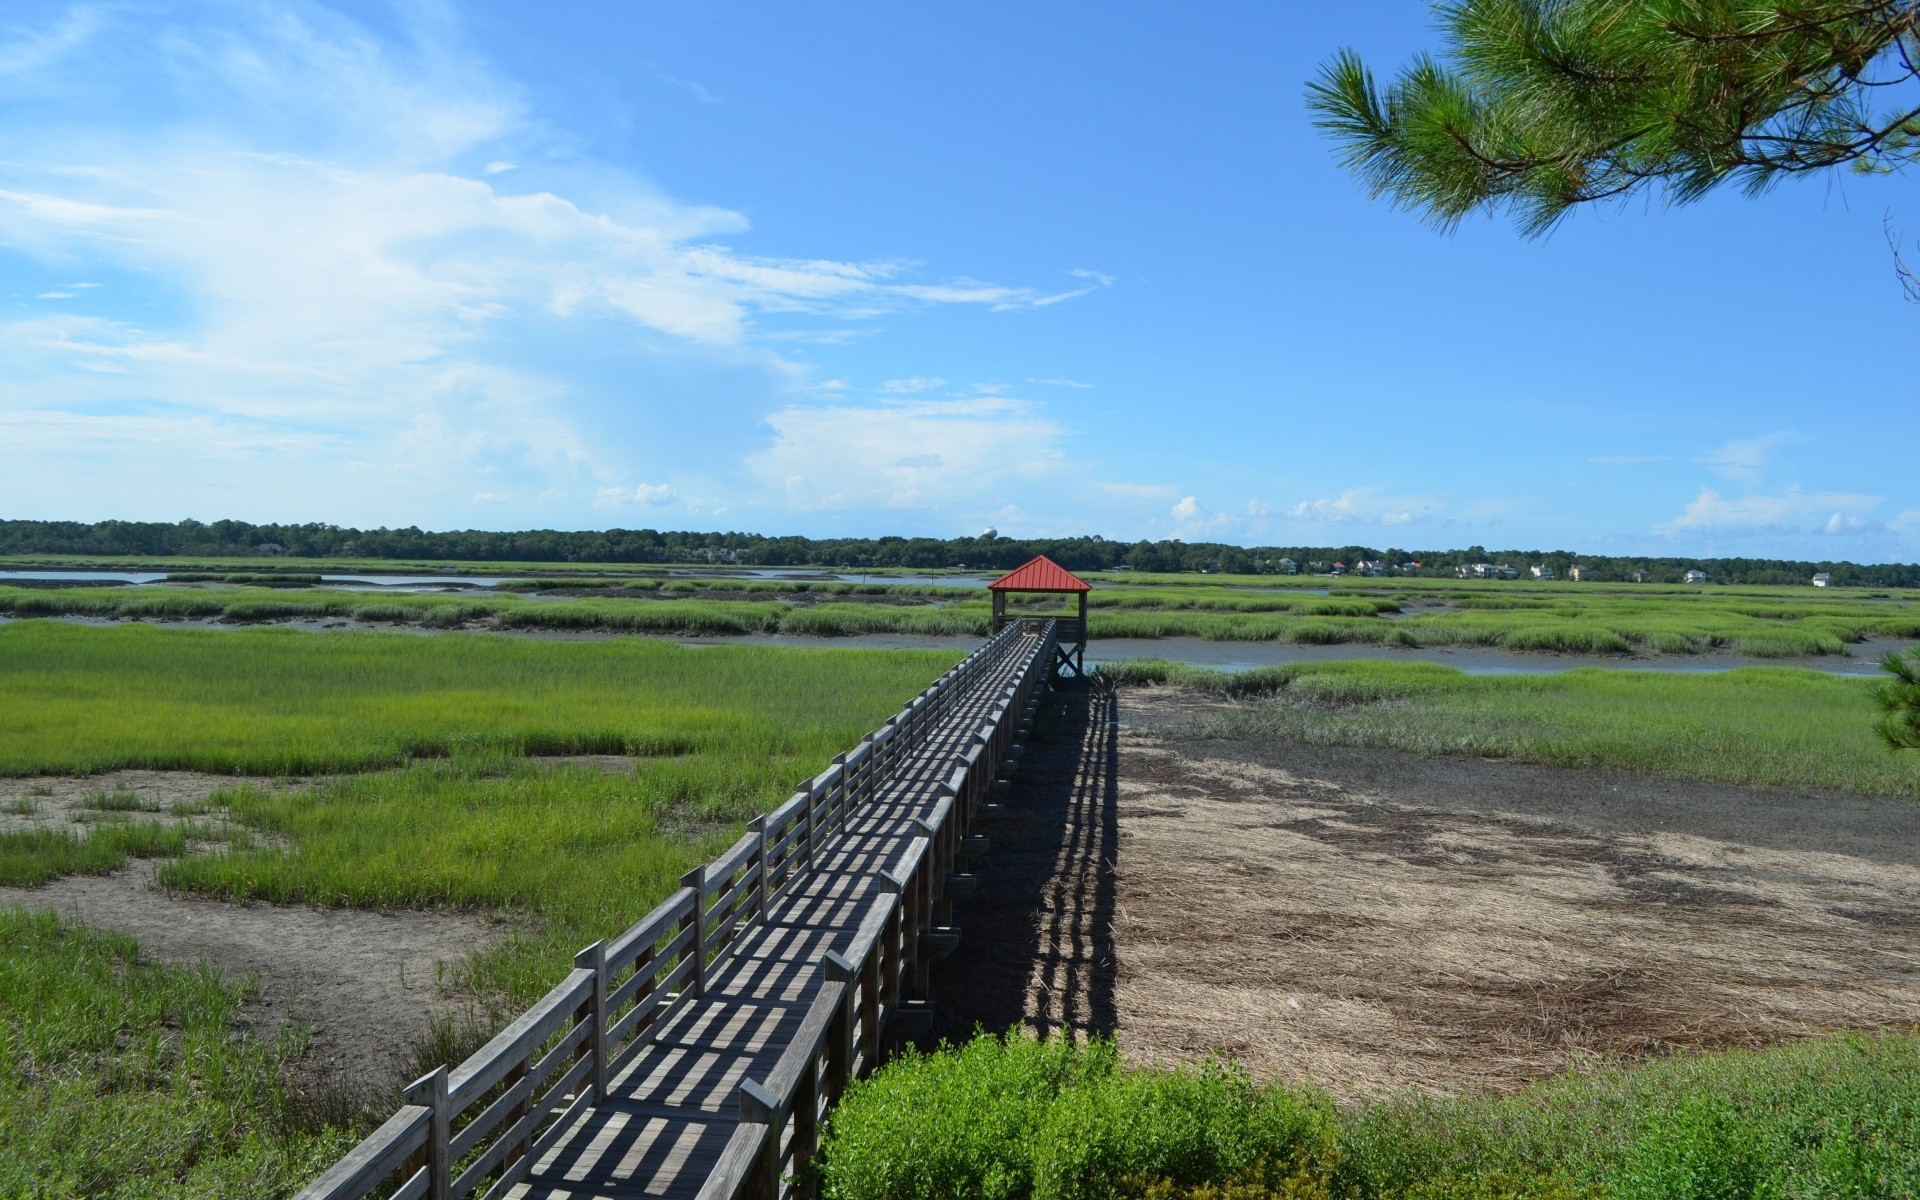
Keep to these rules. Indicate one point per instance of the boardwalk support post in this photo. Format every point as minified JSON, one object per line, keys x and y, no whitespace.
{"x":430,"y":1092}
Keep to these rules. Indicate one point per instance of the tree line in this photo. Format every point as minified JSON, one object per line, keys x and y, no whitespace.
{"x":159,"y":539}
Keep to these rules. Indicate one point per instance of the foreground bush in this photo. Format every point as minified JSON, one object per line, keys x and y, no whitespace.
{"x":1019,"y":1119}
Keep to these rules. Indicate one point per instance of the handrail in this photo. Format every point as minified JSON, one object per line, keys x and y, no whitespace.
{"x":535,"y":1076}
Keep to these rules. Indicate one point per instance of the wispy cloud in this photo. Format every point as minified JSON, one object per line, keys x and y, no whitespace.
{"x":1065,"y":383}
{"x":687,"y":86}
{"x":1746,"y":459}
{"x":957,"y":455}
{"x":1367,"y":506}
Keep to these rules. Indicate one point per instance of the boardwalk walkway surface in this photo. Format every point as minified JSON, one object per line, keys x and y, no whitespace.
{"x":697,"y":1054}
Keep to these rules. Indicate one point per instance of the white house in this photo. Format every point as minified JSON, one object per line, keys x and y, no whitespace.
{"x":1543,"y":571}
{"x":1503,"y":571}
{"x":1289,"y":567}
{"x":1823,"y":580}
{"x":1696,"y":575}
{"x":1643,"y":575}
{"x":1576,"y":572}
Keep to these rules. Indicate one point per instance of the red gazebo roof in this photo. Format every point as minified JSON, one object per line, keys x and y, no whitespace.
{"x":1041,"y":574}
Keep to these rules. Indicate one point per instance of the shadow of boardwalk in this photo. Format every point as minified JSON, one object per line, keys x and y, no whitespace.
{"x":1037,"y":939}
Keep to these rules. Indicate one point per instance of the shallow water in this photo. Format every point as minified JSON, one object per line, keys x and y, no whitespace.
{"x":84,"y":576}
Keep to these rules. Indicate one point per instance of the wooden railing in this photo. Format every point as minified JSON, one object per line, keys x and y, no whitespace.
{"x":478,"y":1128}
{"x":843,"y":1035}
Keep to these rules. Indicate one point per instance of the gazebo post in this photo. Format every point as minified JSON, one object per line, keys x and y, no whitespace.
{"x":1080,"y":651}
{"x":999,"y":610}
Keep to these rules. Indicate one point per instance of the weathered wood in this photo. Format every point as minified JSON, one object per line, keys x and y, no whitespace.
{"x":379,"y":1156}
{"x":772,"y":978}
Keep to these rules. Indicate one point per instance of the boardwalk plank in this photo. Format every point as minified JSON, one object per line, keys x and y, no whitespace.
{"x":671,"y":1110}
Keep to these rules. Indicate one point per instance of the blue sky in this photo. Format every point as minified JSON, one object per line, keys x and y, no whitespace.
{"x":849,"y":268}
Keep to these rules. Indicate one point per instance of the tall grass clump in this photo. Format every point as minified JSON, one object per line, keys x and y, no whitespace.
{"x":123,"y":1079}
{"x":1835,"y":1118}
{"x":33,"y":856}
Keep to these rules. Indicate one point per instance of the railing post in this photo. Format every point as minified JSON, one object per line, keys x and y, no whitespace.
{"x":840,"y":1033}
{"x":594,"y":958}
{"x":697,"y":880}
{"x":758,"y":1105}
{"x":759,"y":825}
{"x":430,"y":1092}
{"x":813,"y":821}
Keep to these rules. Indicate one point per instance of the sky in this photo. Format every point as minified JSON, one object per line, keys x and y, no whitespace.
{"x":866,"y":269}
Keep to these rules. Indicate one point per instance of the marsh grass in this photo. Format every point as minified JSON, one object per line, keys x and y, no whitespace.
{"x":33,"y":856}
{"x":1584,"y":620}
{"x":119,"y":1078}
{"x":570,"y":854}
{"x":119,"y":801}
{"x":1756,"y":725}
{"x":1835,"y":1118}
{"x":291,"y":702}
{"x":20,"y":806}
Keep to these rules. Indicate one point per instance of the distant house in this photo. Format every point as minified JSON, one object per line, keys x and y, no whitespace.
{"x":273,"y":549}
{"x":1543,"y":571}
{"x":1288,"y":566}
{"x":1643,"y":576}
{"x":1695,"y":575}
{"x":1576,"y":572}
{"x":1409,"y":567}
{"x":1369,"y":567}
{"x":1339,"y":568}
{"x":1823,"y":580}
{"x":1503,"y":571}
{"x":1479,"y":571}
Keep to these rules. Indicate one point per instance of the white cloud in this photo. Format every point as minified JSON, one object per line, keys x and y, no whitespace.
{"x":1789,"y":510}
{"x":352,"y":278}
{"x":1187,"y":510}
{"x":492,"y":497}
{"x":1366,"y":506}
{"x":856,"y":456}
{"x":55,"y":296}
{"x":644,"y":494}
{"x":917,"y":383}
{"x":1065,"y":383}
{"x":1746,"y":460}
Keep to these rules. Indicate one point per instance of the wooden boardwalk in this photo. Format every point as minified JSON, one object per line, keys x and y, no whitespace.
{"x":697,"y":1054}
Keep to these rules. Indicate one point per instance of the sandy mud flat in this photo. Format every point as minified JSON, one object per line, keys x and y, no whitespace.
{"x":365,"y":984}
{"x":1371,"y":920}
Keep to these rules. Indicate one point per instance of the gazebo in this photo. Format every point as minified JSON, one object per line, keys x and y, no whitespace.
{"x":1042,"y":574}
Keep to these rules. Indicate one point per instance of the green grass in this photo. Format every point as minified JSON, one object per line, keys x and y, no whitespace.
{"x":1827,"y":1119}
{"x":284,"y":701}
{"x":120,"y":1079}
{"x":574,"y":854}
{"x":1757,"y":725}
{"x":33,"y":856}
